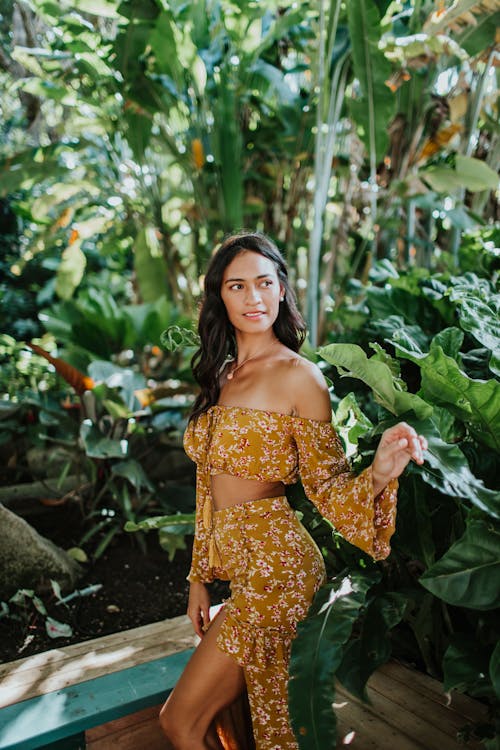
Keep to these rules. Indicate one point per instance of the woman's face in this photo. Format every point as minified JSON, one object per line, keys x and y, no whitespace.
{"x":251,"y":292}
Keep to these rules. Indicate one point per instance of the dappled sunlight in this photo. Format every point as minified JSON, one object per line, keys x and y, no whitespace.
{"x":348,"y":738}
{"x":56,"y":706}
{"x":344,"y":589}
{"x":62,"y":667}
{"x":52,"y":671}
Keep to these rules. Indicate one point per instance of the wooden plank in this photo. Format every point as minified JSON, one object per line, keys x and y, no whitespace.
{"x":40,"y":721}
{"x":60,"y":668}
{"x":145,"y":633}
{"x":117,"y":725}
{"x":358,"y":727}
{"x":139,"y":730}
{"x":425,"y":685}
{"x":405,"y":722}
{"x":428,"y":706}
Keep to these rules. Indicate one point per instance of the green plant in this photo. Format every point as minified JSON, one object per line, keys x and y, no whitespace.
{"x":437,"y":593}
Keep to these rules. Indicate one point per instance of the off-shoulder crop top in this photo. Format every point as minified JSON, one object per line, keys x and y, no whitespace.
{"x":274,"y":447}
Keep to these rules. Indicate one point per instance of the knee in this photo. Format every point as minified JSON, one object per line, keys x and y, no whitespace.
{"x":174,"y":729}
{"x":167,"y":723}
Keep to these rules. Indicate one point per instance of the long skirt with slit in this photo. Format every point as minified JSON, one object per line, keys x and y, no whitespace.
{"x":275,"y":568}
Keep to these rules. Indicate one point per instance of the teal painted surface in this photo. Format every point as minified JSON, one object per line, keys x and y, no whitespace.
{"x":40,"y":721}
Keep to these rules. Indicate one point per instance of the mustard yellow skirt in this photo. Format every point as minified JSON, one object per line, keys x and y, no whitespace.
{"x":275,"y":568}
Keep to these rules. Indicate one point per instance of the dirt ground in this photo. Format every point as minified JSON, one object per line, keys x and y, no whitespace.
{"x":137,"y":589}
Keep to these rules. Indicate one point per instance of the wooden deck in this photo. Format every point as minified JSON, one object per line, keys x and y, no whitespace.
{"x":408,"y":710}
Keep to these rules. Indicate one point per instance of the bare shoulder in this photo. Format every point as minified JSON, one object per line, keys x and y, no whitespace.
{"x":308,"y":390}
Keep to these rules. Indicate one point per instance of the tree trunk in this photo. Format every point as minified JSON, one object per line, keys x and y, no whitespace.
{"x":28,"y":560}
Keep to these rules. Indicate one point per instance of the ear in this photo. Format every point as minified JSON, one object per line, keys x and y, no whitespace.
{"x":282,"y":293}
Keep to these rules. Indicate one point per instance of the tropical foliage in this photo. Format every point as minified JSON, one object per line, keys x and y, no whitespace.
{"x":433,"y":363}
{"x":363,"y":137}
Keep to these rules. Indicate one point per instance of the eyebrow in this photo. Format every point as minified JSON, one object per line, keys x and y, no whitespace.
{"x":262,"y":276}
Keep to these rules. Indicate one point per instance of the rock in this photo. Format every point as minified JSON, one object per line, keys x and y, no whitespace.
{"x":27,"y":559}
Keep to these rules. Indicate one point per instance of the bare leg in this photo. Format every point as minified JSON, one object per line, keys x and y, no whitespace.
{"x":210,"y":681}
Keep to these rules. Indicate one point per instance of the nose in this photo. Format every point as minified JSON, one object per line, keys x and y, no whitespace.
{"x":252,"y":295}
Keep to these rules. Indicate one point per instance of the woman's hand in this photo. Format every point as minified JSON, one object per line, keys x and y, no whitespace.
{"x":199,"y":607}
{"x":398,"y":445}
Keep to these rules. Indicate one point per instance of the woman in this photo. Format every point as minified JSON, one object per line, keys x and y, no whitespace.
{"x":262,"y":417}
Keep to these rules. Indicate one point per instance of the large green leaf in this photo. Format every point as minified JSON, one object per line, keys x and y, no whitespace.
{"x":414,"y":535}
{"x":476,"y":402}
{"x":133,"y":471}
{"x":102,"y":8}
{"x":126,"y":380}
{"x":30,"y":167}
{"x":376,"y":107}
{"x":316,"y":654}
{"x":98,"y":445}
{"x":180,"y":522}
{"x":70,"y":271}
{"x":350,"y":422}
{"x":446,"y":468}
{"x":465,"y":667}
{"x":467,"y":172}
{"x":469,"y":572}
{"x":150,"y":266}
{"x":228,"y":145}
{"x":372,"y":648}
{"x":351,"y":360}
{"x":478,"y":36}
{"x":479,"y":310}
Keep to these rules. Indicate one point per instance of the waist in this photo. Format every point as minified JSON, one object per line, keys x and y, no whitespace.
{"x":228,"y":490}
{"x":263,"y":505}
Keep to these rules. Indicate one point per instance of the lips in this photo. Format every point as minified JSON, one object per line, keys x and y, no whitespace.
{"x":254,"y":314}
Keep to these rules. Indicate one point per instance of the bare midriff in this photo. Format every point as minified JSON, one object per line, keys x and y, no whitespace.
{"x":228,"y":490}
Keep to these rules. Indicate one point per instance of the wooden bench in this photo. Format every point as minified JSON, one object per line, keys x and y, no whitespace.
{"x":53,"y":699}
{"x":105,"y":694}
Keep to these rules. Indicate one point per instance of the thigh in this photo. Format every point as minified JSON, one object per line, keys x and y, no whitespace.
{"x":210,"y":681}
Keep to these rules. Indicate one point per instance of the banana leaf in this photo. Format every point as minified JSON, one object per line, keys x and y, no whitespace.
{"x":376,"y":107}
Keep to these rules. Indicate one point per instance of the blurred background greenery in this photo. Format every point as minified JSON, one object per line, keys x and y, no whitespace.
{"x":363,"y":137}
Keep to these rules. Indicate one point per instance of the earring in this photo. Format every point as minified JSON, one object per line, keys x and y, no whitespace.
{"x":282,"y":299}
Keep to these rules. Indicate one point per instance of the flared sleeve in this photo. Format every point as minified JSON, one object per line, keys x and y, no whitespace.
{"x":201,"y":570}
{"x":345,"y":499}
{"x":204,"y":567}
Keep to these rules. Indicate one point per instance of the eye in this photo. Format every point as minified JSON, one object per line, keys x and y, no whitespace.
{"x":236,"y":286}
{"x":267,"y":282}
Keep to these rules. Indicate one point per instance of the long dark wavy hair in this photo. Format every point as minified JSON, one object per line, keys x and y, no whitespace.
{"x":217,"y":339}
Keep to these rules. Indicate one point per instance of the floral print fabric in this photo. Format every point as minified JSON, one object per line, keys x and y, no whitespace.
{"x":275,"y":569}
{"x":269,"y":446}
{"x":259,"y":546}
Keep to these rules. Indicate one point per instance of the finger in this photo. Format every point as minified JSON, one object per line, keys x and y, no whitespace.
{"x":198,"y":627}
{"x":396,"y":446}
{"x":196,"y":621}
{"x":398,"y":431}
{"x":206,"y":615}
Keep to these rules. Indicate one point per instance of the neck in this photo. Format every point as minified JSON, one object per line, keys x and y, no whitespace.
{"x":252,"y":345}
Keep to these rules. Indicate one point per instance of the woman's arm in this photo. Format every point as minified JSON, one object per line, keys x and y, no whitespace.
{"x":398,"y":445}
{"x":361,"y":507}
